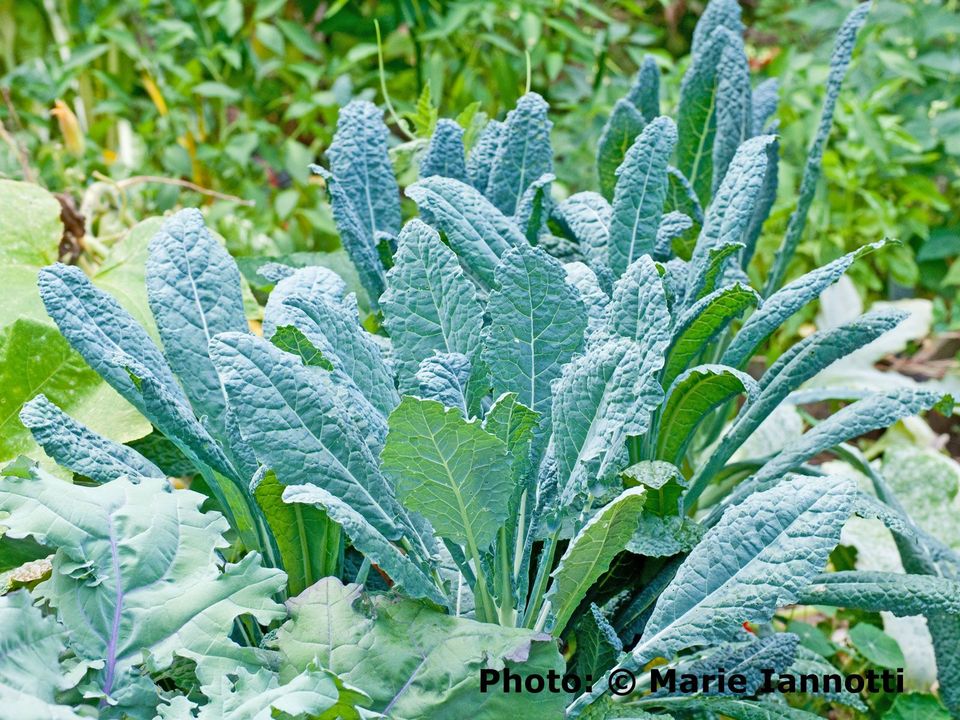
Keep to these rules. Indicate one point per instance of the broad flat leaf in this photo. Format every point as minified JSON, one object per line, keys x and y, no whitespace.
{"x":602,"y":397}
{"x":640,"y":193}
{"x":311,"y":282}
{"x":368,"y":540}
{"x":480,"y":161}
{"x":137,"y":571}
{"x":876,"y":646}
{"x":309,"y":543}
{"x":696,"y":115}
{"x":589,"y":555}
{"x":245,"y":695}
{"x":523,"y":153}
{"x":334,"y":329}
{"x":645,"y":91}
{"x":845,"y":41}
{"x":194,"y":290}
{"x":292,"y":417}
{"x":587,"y":215}
{"x":760,"y":557}
{"x":445,"y":153}
{"x":355,"y":235}
{"x":359,"y":161}
{"x":621,"y":129}
{"x":61,"y":374}
{"x":537,"y":325}
{"x":74,"y":446}
{"x":449,"y":470}
{"x":732,"y":209}
{"x":477,"y":232}
{"x":429,"y":305}
{"x":426,"y":663}
{"x":639,"y":307}
{"x":30,"y":673}
{"x":31,"y":230}
{"x":692,"y":398}
{"x":766,"y":97}
{"x":785,"y":302}
{"x":734,"y":106}
{"x":706,"y":319}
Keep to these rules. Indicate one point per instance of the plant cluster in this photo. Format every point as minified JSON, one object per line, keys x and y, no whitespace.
{"x":524,"y":455}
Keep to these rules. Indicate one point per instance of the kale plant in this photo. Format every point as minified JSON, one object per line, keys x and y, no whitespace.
{"x":528,"y":447}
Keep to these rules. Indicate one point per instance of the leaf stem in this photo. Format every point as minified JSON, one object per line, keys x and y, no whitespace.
{"x":540,"y":583}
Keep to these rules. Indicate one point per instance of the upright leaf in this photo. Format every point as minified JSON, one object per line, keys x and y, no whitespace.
{"x":766,"y":97}
{"x":639,"y":307}
{"x":734,"y":106}
{"x":640,"y":194}
{"x":523,"y":153}
{"x":478,"y":232}
{"x":480,"y":161}
{"x":718,"y":13}
{"x":681,"y":196}
{"x":359,"y":161}
{"x":587,"y":215}
{"x":445,"y":153}
{"x":764,"y":204}
{"x":645,"y":92}
{"x":537,"y":325}
{"x":839,"y":62}
{"x":619,"y":132}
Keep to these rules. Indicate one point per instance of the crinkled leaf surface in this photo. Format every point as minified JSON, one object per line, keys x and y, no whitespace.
{"x":622,"y":127}
{"x":523,"y":153}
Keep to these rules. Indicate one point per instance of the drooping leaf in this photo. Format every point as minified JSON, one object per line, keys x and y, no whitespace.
{"x":311,"y":282}
{"x":430,"y":305}
{"x":673,"y":226}
{"x":477,"y":231}
{"x":445,"y":154}
{"x":640,"y":193}
{"x":791,"y":529}
{"x":587,"y":215}
{"x":137,"y":571}
{"x":427,"y":663}
{"x":845,"y":41}
{"x":589,"y":555}
{"x":78,"y":448}
{"x":449,"y":470}
{"x":537,"y":325}
{"x":621,"y":129}
{"x":523,"y":153}
{"x":897,"y":593}
{"x":445,"y":377}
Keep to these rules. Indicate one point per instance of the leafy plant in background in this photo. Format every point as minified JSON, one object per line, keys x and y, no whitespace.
{"x":530,"y":439}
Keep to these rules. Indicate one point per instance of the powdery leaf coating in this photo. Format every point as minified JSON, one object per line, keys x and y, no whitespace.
{"x":639,"y":310}
{"x":193,"y":286}
{"x":430,"y":304}
{"x":478,"y":232}
{"x":297,"y":426}
{"x":523,"y":153}
{"x":640,"y":194}
{"x":445,"y":153}
{"x":412,"y":661}
{"x":449,"y":470}
{"x":645,"y":91}
{"x":78,"y":448}
{"x":482,"y":154}
{"x":312,"y":283}
{"x":766,"y":97}
{"x":587,"y":215}
{"x":734,"y":106}
{"x":537,"y":325}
